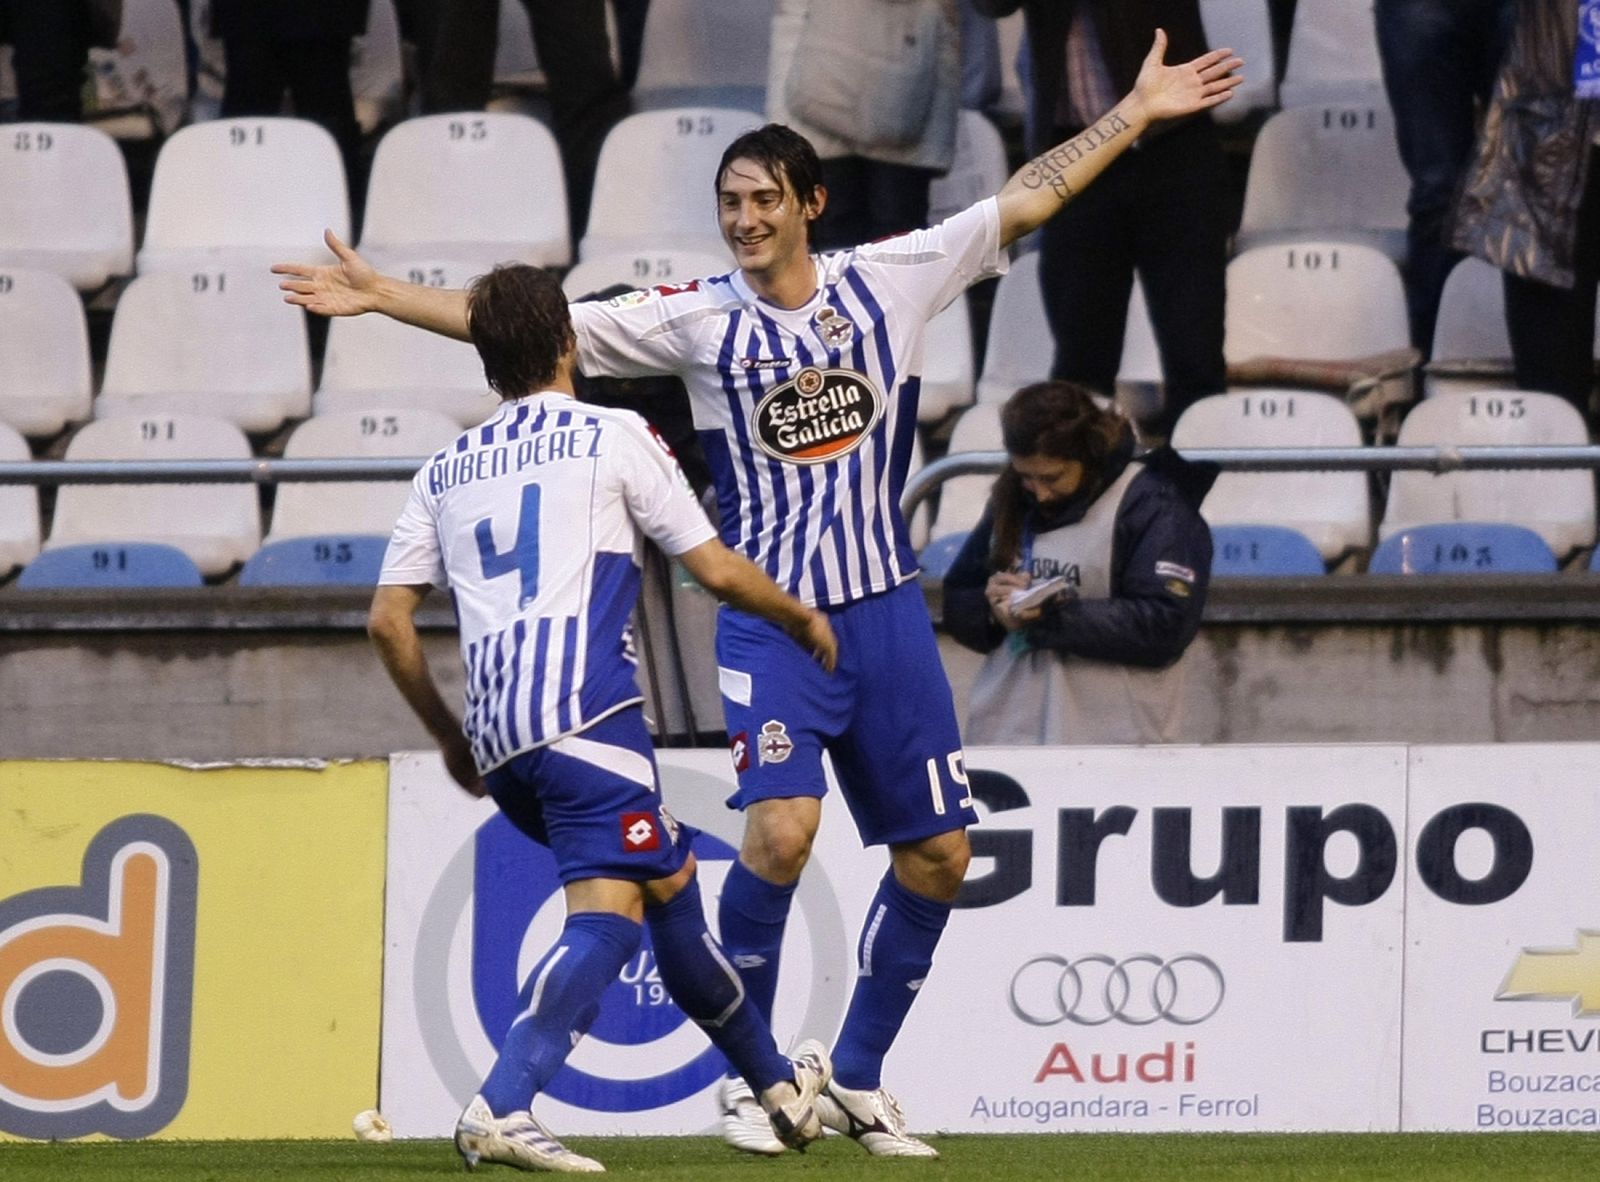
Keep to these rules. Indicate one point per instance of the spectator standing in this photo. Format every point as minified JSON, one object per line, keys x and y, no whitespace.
{"x":50,"y":41}
{"x":875,"y":85}
{"x":1122,"y":541}
{"x":1439,"y":61}
{"x":1530,"y":203}
{"x":1162,"y":211}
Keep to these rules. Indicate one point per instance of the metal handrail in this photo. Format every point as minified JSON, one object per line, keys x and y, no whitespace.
{"x":1437,"y":460}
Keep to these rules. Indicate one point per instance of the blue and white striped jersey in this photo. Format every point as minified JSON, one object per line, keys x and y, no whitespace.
{"x":533,"y":520}
{"x":807,"y":415}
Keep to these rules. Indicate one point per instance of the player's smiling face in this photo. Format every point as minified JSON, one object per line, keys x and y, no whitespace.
{"x":763,"y":221}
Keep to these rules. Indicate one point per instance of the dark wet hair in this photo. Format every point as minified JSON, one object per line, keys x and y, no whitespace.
{"x":518,"y":320}
{"x":783,"y":152}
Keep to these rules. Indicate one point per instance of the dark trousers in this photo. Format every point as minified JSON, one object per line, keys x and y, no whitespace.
{"x":1552,"y":328}
{"x":868,"y":200}
{"x":587,"y":97}
{"x":50,"y":44}
{"x":1439,"y":62}
{"x":1161,"y":210}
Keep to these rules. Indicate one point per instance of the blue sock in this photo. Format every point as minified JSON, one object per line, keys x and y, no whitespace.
{"x":556,"y":1002}
{"x":752,"y":916}
{"x":894,"y":956}
{"x":708,"y":988}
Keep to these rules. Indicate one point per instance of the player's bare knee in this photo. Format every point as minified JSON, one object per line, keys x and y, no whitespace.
{"x":777,"y":852}
{"x":935,"y":866}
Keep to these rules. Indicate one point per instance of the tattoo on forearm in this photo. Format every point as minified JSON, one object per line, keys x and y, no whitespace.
{"x":1050,"y":169}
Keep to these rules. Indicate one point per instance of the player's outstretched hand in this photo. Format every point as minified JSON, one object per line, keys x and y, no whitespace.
{"x":345,"y":288}
{"x":1171,"y":92}
{"x":818,"y":638}
{"x":462,"y":767}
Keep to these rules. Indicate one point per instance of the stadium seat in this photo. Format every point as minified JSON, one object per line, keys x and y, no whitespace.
{"x":947,"y":363}
{"x":327,"y":559}
{"x":919,"y":526}
{"x":1327,"y":172}
{"x":1558,"y":505}
{"x":1314,"y":300}
{"x":704,"y":53}
{"x":218,"y":342}
{"x":111,"y":564}
{"x":1333,"y":55}
{"x":1471,"y":346}
{"x":479,"y":188}
{"x":372,"y":362}
{"x":64,"y":203}
{"x":1331,"y":509}
{"x":216,"y":525}
{"x":1463,"y":548}
{"x":979,"y":170}
{"x":19,"y":508}
{"x":642,"y":268}
{"x":1251,"y":551}
{"x":940,"y":554}
{"x":1141,"y":357}
{"x":962,"y":498}
{"x":244,"y":193}
{"x":141,"y":87}
{"x":45,"y":380}
{"x":1244,"y":26}
{"x":376,"y":68}
{"x":678,"y":149}
{"x":314,"y":508}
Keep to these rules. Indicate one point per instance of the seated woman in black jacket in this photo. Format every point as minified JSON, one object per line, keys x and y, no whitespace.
{"x":1114,"y":559}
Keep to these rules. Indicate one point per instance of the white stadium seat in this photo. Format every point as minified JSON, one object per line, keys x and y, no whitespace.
{"x":19,"y":508}
{"x":1020,"y":348}
{"x":1314,"y":301}
{"x":372,"y":362}
{"x":1333,"y":55}
{"x":219,"y":343}
{"x":709,"y":53}
{"x":962,"y":498}
{"x":1471,"y":345}
{"x":45,"y":380}
{"x":1558,"y":505}
{"x":1244,"y":26}
{"x":309,"y":508}
{"x":244,"y":192}
{"x":643,"y":268}
{"x":1329,"y":172}
{"x":376,"y":68}
{"x":217,"y":525}
{"x":654,"y":186}
{"x":141,"y":87}
{"x":64,"y":203}
{"x":1332,"y":509}
{"x":947,"y":362}
{"x":979,"y":170}
{"x":479,"y":187}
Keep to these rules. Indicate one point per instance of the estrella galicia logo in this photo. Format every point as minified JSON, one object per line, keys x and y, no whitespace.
{"x":96,"y":982}
{"x":817,"y":416}
{"x":512,"y":879}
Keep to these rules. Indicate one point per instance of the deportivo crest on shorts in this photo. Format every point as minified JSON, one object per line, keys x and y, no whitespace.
{"x":640,"y":833}
{"x":739,"y":746}
{"x":774,"y":744}
{"x":819,"y":415}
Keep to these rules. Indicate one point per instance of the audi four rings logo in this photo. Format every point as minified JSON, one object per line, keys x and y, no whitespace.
{"x":1137,"y":990}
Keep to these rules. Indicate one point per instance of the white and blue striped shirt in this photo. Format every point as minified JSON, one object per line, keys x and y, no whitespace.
{"x":534,"y":520}
{"x":807,"y":415}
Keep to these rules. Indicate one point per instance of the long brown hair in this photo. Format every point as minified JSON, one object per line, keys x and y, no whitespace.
{"x":1056,"y":419}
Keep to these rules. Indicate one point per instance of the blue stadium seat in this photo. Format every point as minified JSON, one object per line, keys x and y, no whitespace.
{"x":937,"y":555}
{"x":1594,"y":560}
{"x":1463,"y":548}
{"x":344,"y":559}
{"x":111,"y":564}
{"x":1251,"y":550}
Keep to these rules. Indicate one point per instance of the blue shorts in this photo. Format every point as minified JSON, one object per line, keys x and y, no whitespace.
{"x":885,"y":717}
{"x":595,"y":800}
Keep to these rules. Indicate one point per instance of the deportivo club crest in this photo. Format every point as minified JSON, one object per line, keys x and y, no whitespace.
{"x":819,"y":415}
{"x":774,"y":744}
{"x":836,"y":331}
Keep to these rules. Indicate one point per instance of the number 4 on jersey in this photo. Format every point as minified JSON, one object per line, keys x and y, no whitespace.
{"x":523,"y":557}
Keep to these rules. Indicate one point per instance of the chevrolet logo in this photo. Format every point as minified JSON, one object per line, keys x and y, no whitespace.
{"x":1558,"y":974}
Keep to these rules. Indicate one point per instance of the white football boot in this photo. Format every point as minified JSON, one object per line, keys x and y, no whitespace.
{"x":873,"y":1119}
{"x":516,"y":1140}
{"x":744,"y":1122}
{"x":792,"y":1107}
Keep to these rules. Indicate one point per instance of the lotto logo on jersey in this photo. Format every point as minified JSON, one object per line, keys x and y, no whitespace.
{"x":95,"y":987}
{"x":820,"y":415}
{"x":640,"y":834}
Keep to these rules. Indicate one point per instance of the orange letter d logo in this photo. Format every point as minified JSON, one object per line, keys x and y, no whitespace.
{"x":95,"y":989}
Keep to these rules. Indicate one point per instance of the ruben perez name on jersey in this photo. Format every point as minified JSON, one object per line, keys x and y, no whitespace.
{"x":534,"y":521}
{"x":808,"y":414}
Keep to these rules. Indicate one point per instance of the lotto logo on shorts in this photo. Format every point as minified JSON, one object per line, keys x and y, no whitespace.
{"x":740,"y":746}
{"x":95,"y":988}
{"x":640,"y":833}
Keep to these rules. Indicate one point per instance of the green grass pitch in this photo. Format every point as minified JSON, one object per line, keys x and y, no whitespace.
{"x":1090,"y":1157}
